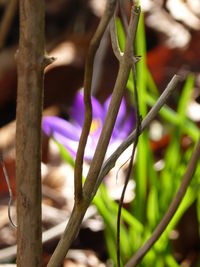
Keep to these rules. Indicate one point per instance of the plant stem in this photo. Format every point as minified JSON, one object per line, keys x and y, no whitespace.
{"x":94,"y":44}
{"x":118,"y":91}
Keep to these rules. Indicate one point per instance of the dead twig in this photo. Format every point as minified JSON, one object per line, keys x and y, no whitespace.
{"x":94,"y":44}
{"x":120,"y":85}
{"x":9,"y":190}
{"x":81,"y":206}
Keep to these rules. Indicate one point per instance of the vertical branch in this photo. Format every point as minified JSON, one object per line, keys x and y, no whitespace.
{"x":30,"y":67}
{"x":120,"y":85}
{"x":94,"y":44}
{"x":138,"y":123}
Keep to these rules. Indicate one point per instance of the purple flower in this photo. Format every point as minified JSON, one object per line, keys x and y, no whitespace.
{"x":68,"y":133}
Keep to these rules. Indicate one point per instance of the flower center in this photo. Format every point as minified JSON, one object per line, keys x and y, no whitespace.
{"x":96,"y":124}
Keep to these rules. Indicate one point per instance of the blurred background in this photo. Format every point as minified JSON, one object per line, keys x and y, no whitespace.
{"x":170,"y":46}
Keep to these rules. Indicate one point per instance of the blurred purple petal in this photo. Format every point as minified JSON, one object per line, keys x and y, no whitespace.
{"x":78,"y":109}
{"x":68,"y":133}
{"x":122,"y":131}
{"x":52,"y":125}
{"x":98,"y":111}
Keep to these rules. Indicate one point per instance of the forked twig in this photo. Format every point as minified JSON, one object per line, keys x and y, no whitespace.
{"x":170,"y":212}
{"x":80,"y":207}
{"x":120,"y":85}
{"x":94,"y":44}
{"x":9,"y":190}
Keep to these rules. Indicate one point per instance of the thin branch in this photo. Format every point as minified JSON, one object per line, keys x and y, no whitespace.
{"x":110,"y":162}
{"x":120,"y":85}
{"x":7,"y":21}
{"x":94,"y":44}
{"x":9,"y":190}
{"x":81,"y":206}
{"x":171,"y":211}
{"x":123,"y":195}
{"x":138,"y":123}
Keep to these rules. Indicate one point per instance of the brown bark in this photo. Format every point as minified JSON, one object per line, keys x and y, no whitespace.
{"x":30,"y":66}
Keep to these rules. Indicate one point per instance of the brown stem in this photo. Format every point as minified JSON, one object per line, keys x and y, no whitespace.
{"x":69,"y":234}
{"x":122,"y":77}
{"x":94,"y":44}
{"x":170,"y":212}
{"x":30,"y":67}
{"x":81,"y":206}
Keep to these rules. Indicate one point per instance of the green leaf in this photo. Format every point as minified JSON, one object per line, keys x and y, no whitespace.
{"x":121,"y":34}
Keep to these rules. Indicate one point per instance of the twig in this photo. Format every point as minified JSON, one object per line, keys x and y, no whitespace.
{"x":138,"y":123}
{"x":122,"y":77}
{"x":9,"y":190}
{"x":110,"y":162}
{"x":170,"y":212}
{"x":7,"y":20}
{"x":94,"y":44}
{"x":81,"y":206}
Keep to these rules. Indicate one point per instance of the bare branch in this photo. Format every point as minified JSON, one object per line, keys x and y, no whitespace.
{"x":138,"y":123}
{"x":120,"y":85}
{"x":94,"y":44}
{"x":171,"y":211}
